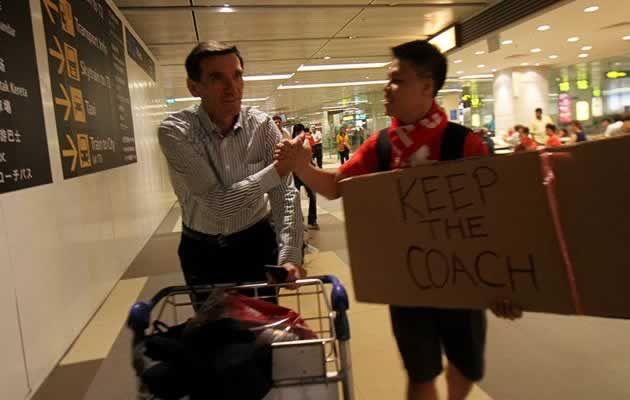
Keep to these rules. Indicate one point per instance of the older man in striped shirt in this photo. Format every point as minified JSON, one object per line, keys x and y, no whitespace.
{"x":220,"y":158}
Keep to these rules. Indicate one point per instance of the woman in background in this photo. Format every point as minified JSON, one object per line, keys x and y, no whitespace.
{"x":577,"y":133}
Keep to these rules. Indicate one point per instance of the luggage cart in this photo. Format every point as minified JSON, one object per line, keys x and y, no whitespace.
{"x":304,"y":369}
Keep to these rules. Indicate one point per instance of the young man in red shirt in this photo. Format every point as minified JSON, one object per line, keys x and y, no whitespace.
{"x":419,"y":133}
{"x":553,"y":139}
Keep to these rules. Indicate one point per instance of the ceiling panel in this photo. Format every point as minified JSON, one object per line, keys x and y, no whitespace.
{"x":278,"y":2}
{"x":420,"y":3}
{"x":272,"y":67}
{"x":154,"y":3}
{"x":408,"y":21}
{"x":278,"y":49}
{"x":272,"y":23}
{"x":172,"y":54}
{"x":361,"y":47}
{"x":163,"y":26}
{"x":372,"y":74}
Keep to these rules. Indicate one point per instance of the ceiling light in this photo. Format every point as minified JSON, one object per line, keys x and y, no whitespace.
{"x":553,"y":56}
{"x":460,"y":72}
{"x":627,"y":37}
{"x":591,"y":9}
{"x":457,"y":62}
{"x":481,"y":66}
{"x":226,"y":9}
{"x":480,"y":52}
{"x":332,"y":67}
{"x":506,"y":42}
{"x":450,"y":91}
{"x":180,"y":99}
{"x":524,"y":64}
{"x":587,"y":48}
{"x":350,"y":37}
{"x":327,"y":58}
{"x":543,"y":28}
{"x":573,"y":39}
{"x":494,"y":70}
{"x":536,"y":50}
{"x":583,"y":55}
{"x":335,"y":84}
{"x":537,"y":64}
{"x":268,"y":77}
{"x":255,"y":99}
{"x":482,"y":76}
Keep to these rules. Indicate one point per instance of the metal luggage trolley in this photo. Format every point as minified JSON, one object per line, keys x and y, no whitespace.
{"x":305,"y":369}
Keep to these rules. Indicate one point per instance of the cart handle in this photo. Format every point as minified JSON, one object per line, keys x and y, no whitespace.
{"x":140,"y":313}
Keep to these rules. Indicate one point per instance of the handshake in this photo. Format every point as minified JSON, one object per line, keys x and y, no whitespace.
{"x":292,"y":155}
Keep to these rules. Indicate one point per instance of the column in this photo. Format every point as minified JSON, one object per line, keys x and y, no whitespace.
{"x":517,"y":94}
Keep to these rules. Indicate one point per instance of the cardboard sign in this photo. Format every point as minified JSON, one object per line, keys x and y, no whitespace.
{"x":463,"y":234}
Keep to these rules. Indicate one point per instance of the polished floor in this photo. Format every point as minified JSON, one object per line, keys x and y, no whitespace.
{"x":541,"y":357}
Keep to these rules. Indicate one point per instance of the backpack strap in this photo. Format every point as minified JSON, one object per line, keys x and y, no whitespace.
{"x":452,"y":147}
{"x":384,"y":150}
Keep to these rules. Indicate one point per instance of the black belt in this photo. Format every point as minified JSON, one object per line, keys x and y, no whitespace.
{"x":225,"y":240}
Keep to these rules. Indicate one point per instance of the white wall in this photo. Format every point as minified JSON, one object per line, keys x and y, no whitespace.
{"x":65,"y":245}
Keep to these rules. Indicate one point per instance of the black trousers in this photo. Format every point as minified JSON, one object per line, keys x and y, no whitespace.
{"x":238,"y":258}
{"x":318,"y":154}
{"x":312,"y":200}
{"x":344,"y":155}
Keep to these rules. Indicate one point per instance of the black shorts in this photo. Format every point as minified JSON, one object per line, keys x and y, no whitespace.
{"x":422,"y":333}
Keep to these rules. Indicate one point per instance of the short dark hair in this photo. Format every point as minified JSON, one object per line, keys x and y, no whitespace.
{"x":429,"y":61}
{"x":576,"y":123}
{"x":538,"y":110}
{"x":550,"y":126}
{"x":297,"y":129}
{"x":204,"y":50}
{"x":526,"y":130}
{"x":276,"y":118}
{"x":607,"y":119}
{"x":307,"y":129}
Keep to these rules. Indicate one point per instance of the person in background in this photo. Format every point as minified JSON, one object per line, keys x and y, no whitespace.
{"x":512,"y":136}
{"x":612,"y":125}
{"x":343,"y":146}
{"x":318,"y":150}
{"x":526,"y":142}
{"x":423,"y":334}
{"x":278,"y":121}
{"x":625,"y":128}
{"x":298,"y":129}
{"x":487,"y":140}
{"x":554,"y":139}
{"x":220,"y":159}
{"x":564,"y":133}
{"x":538,"y":125}
{"x":577,"y":133}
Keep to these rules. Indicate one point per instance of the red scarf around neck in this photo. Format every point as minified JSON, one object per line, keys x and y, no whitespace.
{"x":407,"y":140}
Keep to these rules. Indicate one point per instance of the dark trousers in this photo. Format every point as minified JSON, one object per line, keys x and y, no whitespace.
{"x":312,"y":200}
{"x":318,"y":154}
{"x":344,"y":155}
{"x":238,"y":258}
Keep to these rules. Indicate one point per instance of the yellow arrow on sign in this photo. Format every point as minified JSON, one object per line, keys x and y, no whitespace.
{"x":50,"y":7}
{"x":58,"y":55}
{"x":71,"y":153}
{"x":65,"y":102}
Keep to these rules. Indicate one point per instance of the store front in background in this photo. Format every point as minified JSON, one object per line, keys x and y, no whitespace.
{"x":590,"y":92}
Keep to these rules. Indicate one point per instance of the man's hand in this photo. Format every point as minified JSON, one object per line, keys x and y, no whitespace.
{"x":507,"y":310}
{"x":294,"y":273}
{"x":296,"y":152}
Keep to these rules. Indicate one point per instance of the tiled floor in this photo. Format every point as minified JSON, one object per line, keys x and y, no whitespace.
{"x":541,"y":357}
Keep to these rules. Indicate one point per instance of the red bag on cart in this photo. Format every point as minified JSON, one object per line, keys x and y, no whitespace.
{"x":256,"y":313}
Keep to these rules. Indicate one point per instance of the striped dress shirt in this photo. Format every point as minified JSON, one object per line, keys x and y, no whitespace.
{"x":224,"y":183}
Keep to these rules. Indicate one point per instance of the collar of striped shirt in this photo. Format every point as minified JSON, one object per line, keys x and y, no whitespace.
{"x":210,"y":127}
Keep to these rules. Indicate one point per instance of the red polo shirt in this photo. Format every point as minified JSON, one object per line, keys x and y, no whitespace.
{"x":553,"y":141}
{"x":365,"y":159}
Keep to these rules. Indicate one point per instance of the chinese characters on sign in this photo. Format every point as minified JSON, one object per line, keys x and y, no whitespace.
{"x":24,"y":159}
